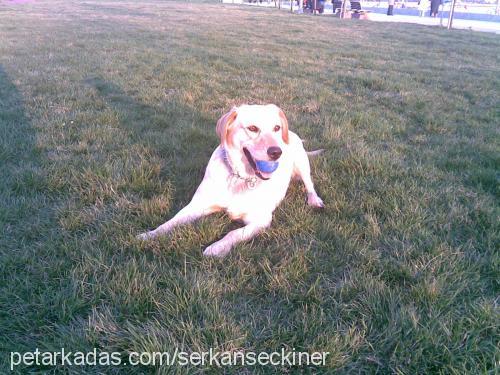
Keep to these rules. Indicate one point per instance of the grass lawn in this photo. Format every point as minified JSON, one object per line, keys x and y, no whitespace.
{"x":107,"y":121}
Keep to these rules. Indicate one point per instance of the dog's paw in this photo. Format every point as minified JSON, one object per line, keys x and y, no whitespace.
{"x":217,"y":249}
{"x":314,"y":201}
{"x":145,"y":236}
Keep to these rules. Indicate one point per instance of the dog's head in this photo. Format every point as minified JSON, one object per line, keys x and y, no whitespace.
{"x":254,"y":137}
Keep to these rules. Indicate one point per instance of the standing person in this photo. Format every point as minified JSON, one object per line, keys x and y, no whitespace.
{"x":435,"y":7}
{"x":423,"y":6}
{"x":391,"y":7}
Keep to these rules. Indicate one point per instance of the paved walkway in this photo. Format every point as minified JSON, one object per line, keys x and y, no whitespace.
{"x":492,"y":27}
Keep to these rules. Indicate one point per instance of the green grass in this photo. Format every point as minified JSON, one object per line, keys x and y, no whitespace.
{"x":107,"y":121}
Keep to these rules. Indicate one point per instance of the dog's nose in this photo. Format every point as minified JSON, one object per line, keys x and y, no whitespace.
{"x":274,"y":152}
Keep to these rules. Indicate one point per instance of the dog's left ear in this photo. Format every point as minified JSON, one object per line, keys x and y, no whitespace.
{"x":284,"y":125}
{"x":224,"y":124}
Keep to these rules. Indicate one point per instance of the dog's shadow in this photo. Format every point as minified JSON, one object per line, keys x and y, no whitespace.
{"x":181,"y":136}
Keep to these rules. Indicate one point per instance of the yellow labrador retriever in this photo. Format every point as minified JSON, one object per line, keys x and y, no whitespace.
{"x":247,"y":175}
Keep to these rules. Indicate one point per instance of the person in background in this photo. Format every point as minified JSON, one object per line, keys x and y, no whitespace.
{"x":391,"y":7}
{"x":337,"y":6}
{"x":435,"y":7}
{"x":423,"y":6}
{"x":321,"y":5}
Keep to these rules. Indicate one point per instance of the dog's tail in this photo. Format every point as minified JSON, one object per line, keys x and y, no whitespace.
{"x":315,"y":152}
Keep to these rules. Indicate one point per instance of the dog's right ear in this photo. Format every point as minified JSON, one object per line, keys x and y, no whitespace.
{"x":224,"y":125}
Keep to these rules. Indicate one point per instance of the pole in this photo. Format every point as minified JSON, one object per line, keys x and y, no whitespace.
{"x":342,"y":9}
{"x":450,"y":17}
{"x":441,"y":14}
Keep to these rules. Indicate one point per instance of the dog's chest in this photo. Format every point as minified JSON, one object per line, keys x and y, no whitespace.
{"x":243,"y":201}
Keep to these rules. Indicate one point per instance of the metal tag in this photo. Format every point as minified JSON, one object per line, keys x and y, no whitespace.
{"x":251,"y":183}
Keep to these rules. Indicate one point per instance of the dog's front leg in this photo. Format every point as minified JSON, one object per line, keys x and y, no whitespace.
{"x":303,"y":170}
{"x":222,"y":247}
{"x":194,"y":210}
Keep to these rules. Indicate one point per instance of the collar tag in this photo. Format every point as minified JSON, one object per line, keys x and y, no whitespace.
{"x":251,"y":182}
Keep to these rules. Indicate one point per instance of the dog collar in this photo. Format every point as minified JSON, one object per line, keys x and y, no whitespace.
{"x":251,"y":182}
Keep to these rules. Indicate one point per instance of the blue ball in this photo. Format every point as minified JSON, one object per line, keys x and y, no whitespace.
{"x":266,"y":166}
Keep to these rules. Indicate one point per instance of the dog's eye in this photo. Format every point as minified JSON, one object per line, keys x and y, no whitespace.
{"x":277,"y":128}
{"x":253,"y":129}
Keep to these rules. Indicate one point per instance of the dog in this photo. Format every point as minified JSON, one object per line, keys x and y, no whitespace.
{"x":247,"y":175}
